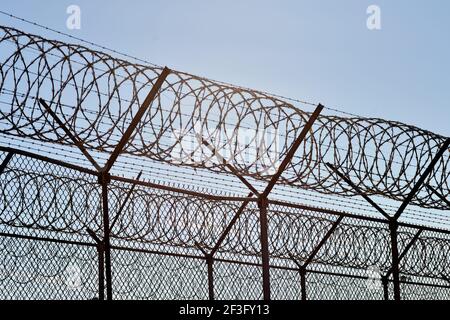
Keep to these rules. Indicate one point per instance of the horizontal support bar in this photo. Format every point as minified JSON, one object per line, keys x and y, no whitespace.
{"x":49,"y":160}
{"x":5,"y":162}
{"x":74,"y":139}
{"x":53,"y":240}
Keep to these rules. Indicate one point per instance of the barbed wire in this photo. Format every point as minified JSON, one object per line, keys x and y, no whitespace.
{"x":65,"y":34}
{"x":38,"y":195}
{"x":384,"y":157}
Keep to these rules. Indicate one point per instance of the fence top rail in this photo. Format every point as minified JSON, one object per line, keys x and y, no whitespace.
{"x":48,"y":159}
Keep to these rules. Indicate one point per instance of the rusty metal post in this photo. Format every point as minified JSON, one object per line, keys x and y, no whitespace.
{"x":104,"y":175}
{"x":303,"y":272}
{"x":209,"y":258}
{"x":264,"y":236}
{"x":393,"y":221}
{"x":393,"y":227}
{"x":263,"y":197}
{"x":210,"y":264}
{"x":385,"y":282}
{"x":101,"y":272}
{"x":5,"y":162}
{"x":440,"y":196}
{"x":101,"y":263}
{"x":104,"y":179}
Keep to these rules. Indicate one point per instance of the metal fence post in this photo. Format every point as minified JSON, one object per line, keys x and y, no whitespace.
{"x":210,"y":264}
{"x":303,"y":283}
{"x":104,"y":179}
{"x":101,"y":263}
{"x":385,"y":282}
{"x":5,"y":162}
{"x":393,"y":227}
{"x":264,"y":236}
{"x":101,"y":272}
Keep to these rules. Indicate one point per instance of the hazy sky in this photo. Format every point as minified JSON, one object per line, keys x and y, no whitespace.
{"x":320,"y":51}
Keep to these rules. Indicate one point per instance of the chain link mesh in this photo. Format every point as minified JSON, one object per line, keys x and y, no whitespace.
{"x":159,"y":238}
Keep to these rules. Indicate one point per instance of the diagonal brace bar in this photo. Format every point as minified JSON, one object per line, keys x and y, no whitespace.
{"x":226,"y":164}
{"x":322,"y":242}
{"x":124,"y":203}
{"x":290,"y":154}
{"x":358,"y":190}
{"x":303,"y":267}
{"x":210,"y":256}
{"x":5,"y":162}
{"x":142,"y":109}
{"x":405,"y":251}
{"x":318,"y":247}
{"x":94,"y":236}
{"x":422,"y":178}
{"x":74,"y":139}
{"x":230,"y":226}
{"x":440,"y":196}
{"x":445,"y":278}
{"x":410,"y":244}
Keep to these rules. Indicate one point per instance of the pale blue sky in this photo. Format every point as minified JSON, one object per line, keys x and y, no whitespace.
{"x":320,"y":51}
